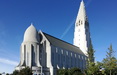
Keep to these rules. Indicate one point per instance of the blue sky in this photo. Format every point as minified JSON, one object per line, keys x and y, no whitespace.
{"x":55,"y":17}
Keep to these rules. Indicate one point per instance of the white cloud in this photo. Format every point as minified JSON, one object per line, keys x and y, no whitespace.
{"x":7,"y":61}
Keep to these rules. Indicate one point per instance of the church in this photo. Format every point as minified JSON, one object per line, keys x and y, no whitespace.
{"x":45,"y":54}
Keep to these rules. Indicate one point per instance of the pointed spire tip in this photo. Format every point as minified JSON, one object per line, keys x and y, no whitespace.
{"x":31,"y":24}
{"x":82,"y":1}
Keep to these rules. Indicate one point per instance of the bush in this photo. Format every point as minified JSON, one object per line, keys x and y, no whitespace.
{"x":75,"y":71}
{"x":72,"y":71}
{"x":62,"y":72}
{"x":24,"y":71}
{"x":15,"y":72}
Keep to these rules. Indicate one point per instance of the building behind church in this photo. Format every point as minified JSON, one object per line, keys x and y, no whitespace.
{"x":45,"y":53}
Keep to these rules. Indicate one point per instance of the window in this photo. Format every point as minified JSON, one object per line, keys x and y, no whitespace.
{"x":80,"y":22}
{"x":56,"y":50}
{"x":71,"y":54}
{"x":62,"y":51}
{"x":41,"y":47}
{"x":79,"y":56}
{"x":33,"y":55}
{"x":66,"y":52}
{"x":75,"y":55}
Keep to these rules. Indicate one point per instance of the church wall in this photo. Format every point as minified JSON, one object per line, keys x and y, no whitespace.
{"x":87,"y":32}
{"x":62,"y":58}
{"x":26,"y":53}
{"x":53,"y":57}
{"x":21,"y":55}
{"x":45,"y":55}
{"x":45,"y":51}
{"x":80,"y":38}
{"x":30,"y":53}
{"x":48,"y":54}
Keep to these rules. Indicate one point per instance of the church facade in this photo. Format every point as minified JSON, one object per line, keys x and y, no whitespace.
{"x":45,"y":53}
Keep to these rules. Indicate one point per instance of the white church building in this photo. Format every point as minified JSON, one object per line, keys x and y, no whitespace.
{"x":44,"y":54}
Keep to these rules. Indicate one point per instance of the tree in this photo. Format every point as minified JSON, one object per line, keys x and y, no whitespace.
{"x":75,"y":71}
{"x":15,"y":72}
{"x":7,"y":74}
{"x":91,"y":53}
{"x":62,"y":72}
{"x":110,"y":62}
{"x":24,"y":71}
{"x":72,"y":71}
{"x":93,"y":68}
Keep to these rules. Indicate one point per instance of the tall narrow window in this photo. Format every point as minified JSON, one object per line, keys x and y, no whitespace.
{"x":53,"y":58}
{"x":33,"y":55}
{"x":40,"y":53}
{"x":45,"y":54}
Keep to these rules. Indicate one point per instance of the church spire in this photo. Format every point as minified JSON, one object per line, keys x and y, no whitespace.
{"x":82,"y":12}
{"x":82,"y":32}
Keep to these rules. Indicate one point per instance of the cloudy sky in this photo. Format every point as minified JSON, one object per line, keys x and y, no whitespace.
{"x":57,"y":18}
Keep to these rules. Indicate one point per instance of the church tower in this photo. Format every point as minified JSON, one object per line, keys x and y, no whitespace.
{"x":29,"y":52}
{"x":82,"y":32}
